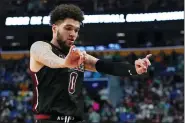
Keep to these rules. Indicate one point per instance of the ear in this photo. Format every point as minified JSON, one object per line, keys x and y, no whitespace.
{"x":54,"y":28}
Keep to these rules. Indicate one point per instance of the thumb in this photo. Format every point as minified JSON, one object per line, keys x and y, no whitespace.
{"x":72,"y":48}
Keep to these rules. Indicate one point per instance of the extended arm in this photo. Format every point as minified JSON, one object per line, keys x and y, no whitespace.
{"x":42,"y":53}
{"x":107,"y":67}
{"x":117,"y":68}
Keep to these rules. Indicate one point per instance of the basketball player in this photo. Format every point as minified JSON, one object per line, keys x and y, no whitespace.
{"x":58,"y":69}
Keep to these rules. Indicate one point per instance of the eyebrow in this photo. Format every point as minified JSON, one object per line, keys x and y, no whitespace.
{"x":72,"y":26}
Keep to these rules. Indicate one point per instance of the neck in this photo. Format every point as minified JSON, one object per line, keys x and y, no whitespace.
{"x":62,"y":47}
{"x":54,"y":42}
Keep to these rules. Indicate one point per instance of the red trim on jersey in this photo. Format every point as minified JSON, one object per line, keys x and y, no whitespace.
{"x":35,"y":91}
{"x":72,"y":82}
{"x":41,"y":116}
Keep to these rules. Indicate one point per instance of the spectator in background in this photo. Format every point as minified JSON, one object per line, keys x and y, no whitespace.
{"x":104,"y":94}
{"x":91,"y":6}
{"x":36,"y":6}
{"x":106,"y":113}
{"x":94,"y":117}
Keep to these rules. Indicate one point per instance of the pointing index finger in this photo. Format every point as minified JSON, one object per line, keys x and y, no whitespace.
{"x":72,"y":48}
{"x":148,"y":56}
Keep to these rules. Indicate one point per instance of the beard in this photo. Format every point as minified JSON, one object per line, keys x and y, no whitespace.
{"x":62,"y":44}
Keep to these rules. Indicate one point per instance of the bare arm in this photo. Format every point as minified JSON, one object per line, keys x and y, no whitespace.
{"x":42,"y":53}
{"x":90,"y":62}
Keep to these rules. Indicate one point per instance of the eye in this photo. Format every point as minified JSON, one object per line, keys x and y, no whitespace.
{"x":68,"y":28}
{"x":77,"y":30}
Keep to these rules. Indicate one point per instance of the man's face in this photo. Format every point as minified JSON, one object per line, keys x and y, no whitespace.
{"x":66,"y":32}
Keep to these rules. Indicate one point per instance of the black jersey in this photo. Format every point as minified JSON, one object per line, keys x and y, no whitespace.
{"x":59,"y":91}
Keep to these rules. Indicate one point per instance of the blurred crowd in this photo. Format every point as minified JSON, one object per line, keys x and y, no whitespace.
{"x":156,"y":97}
{"x":15,"y":92}
{"x":90,"y":6}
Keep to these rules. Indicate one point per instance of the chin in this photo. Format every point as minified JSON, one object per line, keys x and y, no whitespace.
{"x":69,"y":45}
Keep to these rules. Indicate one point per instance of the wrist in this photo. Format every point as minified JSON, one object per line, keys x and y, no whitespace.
{"x":63,"y":63}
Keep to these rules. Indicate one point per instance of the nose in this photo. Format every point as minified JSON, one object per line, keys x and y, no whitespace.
{"x":72,"y":33}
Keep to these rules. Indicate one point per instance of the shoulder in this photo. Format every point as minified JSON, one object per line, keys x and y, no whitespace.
{"x":40,"y":44}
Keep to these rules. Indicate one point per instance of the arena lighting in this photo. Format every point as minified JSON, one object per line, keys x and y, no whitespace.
{"x":90,"y":48}
{"x":106,"y":18}
{"x":46,"y":20}
{"x":113,"y":18}
{"x":161,"y":16}
{"x":36,"y":20}
{"x":17,"y":21}
{"x":100,"y":48}
{"x":97,"y":19}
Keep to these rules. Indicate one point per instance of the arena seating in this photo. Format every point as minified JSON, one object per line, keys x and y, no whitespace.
{"x":156,"y":98}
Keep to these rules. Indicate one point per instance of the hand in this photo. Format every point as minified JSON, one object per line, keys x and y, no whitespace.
{"x":141,"y":65}
{"x":74,"y":58}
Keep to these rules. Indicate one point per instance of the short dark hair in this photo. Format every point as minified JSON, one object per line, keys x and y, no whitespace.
{"x":64,"y":11}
